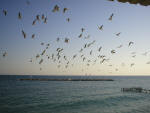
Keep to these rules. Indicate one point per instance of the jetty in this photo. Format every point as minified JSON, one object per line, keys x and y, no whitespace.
{"x":135,"y":89}
{"x":66,"y":79}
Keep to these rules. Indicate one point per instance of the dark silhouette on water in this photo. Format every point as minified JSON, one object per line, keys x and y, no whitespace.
{"x":67,"y":79}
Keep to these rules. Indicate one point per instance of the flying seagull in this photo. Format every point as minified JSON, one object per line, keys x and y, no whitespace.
{"x":65,"y":9}
{"x":118,"y":34}
{"x":56,"y":8}
{"x":130,"y":43}
{"x":24,"y":34}
{"x":5,"y":12}
{"x":100,"y":27}
{"x":19,"y":15}
{"x":110,"y":18}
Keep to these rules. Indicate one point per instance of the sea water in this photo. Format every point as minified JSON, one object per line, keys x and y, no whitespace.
{"x":73,"y":96}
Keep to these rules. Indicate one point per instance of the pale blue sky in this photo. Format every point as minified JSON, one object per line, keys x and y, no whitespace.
{"x":131,"y":20}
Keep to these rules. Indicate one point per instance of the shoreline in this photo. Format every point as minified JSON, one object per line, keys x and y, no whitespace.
{"x":69,"y":79}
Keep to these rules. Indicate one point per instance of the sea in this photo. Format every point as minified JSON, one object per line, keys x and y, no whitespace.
{"x":73,"y":96}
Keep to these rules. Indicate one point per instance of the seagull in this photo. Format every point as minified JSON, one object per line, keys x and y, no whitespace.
{"x":5,"y":12}
{"x":82,"y":29}
{"x":81,"y":50}
{"x":113,"y":51}
{"x":74,"y":56}
{"x":19,"y":15}
{"x":33,"y":36}
{"x":132,"y":64}
{"x":100,"y":27}
{"x":99,"y":49}
{"x":68,"y":19}
{"x":85,"y":45}
{"x":56,"y":8}
{"x":52,"y":56}
{"x":34,"y":21}
{"x":45,"y":20}
{"x":41,"y":61}
{"x":130,"y":43}
{"x":38,"y":17}
{"x":102,"y":61}
{"x":43,"y":52}
{"x":48,"y":45}
{"x":24,"y":34}
{"x":91,"y":52}
{"x":65,"y":57}
{"x":43,"y":17}
{"x":58,"y":39}
{"x":66,"y":40}
{"x":110,"y":18}
{"x":42,"y":43}
{"x":120,"y":46}
{"x":4,"y":54}
{"x":118,"y":34}
{"x":80,"y":35}
{"x":65,"y":9}
{"x":82,"y":56}
{"x":37,"y":56}
{"x":84,"y":59}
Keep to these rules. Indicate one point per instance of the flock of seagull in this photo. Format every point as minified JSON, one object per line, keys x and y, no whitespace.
{"x":59,"y":57}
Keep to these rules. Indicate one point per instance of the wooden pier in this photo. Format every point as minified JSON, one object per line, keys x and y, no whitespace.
{"x":135,"y":89}
{"x":68,"y":79}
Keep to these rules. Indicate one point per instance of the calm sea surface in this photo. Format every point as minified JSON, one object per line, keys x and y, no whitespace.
{"x":72,"y":96}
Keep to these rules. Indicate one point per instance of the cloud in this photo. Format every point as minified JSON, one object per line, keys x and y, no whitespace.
{"x":141,"y":2}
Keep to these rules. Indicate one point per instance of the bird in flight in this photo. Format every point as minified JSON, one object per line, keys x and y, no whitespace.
{"x":4,"y":54}
{"x":99,"y":49}
{"x":66,"y":40}
{"x":100,"y":27}
{"x":120,"y":46}
{"x":118,"y":34}
{"x":68,"y":19}
{"x":82,"y":29}
{"x":33,"y":35}
{"x":130,"y":43}
{"x":80,"y":35}
{"x":19,"y":15}
{"x":132,"y":64}
{"x":110,"y":18}
{"x":5,"y":12}
{"x":65,"y":9}
{"x":41,"y":61}
{"x":34,"y":21}
{"x":56,"y":8}
{"x":113,"y":51}
{"x":24,"y":34}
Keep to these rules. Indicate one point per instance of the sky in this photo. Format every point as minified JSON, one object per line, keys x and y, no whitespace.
{"x":131,"y":21}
